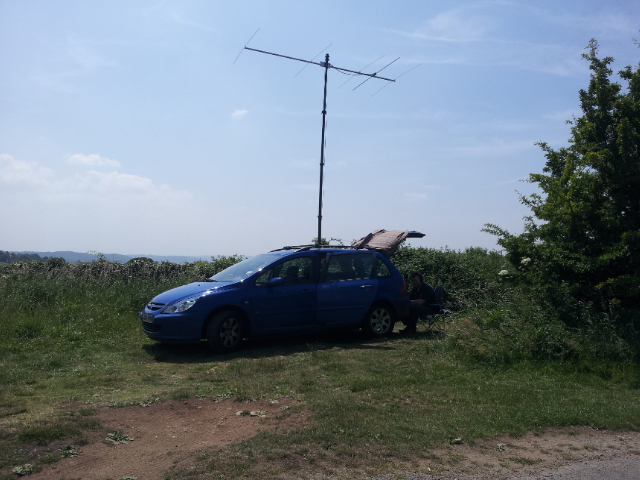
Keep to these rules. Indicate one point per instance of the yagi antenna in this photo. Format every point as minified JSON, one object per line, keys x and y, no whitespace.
{"x":396,"y":78}
{"x":351,"y":77}
{"x":367,"y":79}
{"x":300,"y":71}
{"x":326,"y":65}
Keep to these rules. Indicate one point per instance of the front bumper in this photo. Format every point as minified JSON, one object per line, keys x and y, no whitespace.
{"x":172,"y":328}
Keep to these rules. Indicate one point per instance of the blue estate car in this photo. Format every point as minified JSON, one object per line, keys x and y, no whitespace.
{"x":289,"y":291}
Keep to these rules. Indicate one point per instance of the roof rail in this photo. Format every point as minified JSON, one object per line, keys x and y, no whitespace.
{"x":383,"y":241}
{"x":301,"y":248}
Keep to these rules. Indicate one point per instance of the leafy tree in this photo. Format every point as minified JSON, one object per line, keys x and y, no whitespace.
{"x":581,"y":246}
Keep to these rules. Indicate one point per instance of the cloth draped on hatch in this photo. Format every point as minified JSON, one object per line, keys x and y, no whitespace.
{"x":386,"y":242}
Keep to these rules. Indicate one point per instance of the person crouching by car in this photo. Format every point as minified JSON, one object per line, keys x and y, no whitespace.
{"x":421,"y":296}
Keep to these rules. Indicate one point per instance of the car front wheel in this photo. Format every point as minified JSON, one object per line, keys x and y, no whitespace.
{"x":379,"y":321}
{"x":225,"y":332}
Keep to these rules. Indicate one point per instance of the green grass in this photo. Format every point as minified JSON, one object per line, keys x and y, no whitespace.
{"x":376,"y":401}
{"x":371,"y":404}
{"x":369,"y":400}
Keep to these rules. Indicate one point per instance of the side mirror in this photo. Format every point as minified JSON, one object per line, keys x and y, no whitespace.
{"x":274,"y":282}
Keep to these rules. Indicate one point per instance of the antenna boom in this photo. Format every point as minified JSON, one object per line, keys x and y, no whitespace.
{"x":284,"y":56}
{"x":371,"y":75}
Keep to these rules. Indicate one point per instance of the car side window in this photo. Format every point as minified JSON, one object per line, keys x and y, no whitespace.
{"x":381,"y":269}
{"x":293,"y":272}
{"x":343,"y":267}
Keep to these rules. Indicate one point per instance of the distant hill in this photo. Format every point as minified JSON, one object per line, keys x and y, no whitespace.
{"x":116,"y":257}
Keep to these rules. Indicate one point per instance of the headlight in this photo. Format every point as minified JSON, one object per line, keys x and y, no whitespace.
{"x":182,"y":305}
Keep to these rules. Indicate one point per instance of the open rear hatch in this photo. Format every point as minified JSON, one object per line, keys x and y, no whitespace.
{"x":385,"y":241}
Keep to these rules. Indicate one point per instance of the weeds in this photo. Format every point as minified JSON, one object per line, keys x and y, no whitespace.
{"x":116,"y":437}
{"x":21,"y":470}
{"x":69,"y":451}
{"x":70,"y":333}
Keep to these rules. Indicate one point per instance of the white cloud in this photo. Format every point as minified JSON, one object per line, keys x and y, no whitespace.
{"x":109,"y":183}
{"x":89,"y":210}
{"x":482,"y":34}
{"x":14,"y":172}
{"x":457,"y":26}
{"x":116,"y":189}
{"x":94,"y":160}
{"x":239,"y":113}
{"x":42,"y":183}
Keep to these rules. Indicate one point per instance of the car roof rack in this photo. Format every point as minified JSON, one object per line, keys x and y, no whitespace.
{"x":302,"y":248}
{"x":383,"y":241}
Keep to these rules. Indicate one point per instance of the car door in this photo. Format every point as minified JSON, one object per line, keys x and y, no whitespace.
{"x":346,"y":290}
{"x":284,"y":297}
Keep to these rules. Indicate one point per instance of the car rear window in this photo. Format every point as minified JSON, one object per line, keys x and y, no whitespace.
{"x":381,"y":270}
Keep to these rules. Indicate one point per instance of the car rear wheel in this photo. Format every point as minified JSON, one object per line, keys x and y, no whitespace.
{"x":225,"y":332}
{"x":379,"y":321}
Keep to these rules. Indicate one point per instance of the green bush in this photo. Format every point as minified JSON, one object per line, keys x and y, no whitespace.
{"x":581,"y":243}
{"x":71,"y":309}
{"x":470,"y":278}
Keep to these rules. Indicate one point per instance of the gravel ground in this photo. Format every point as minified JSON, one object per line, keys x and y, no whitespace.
{"x":560,"y":454}
{"x":618,"y":469}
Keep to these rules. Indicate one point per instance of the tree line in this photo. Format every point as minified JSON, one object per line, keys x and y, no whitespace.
{"x":11,"y":257}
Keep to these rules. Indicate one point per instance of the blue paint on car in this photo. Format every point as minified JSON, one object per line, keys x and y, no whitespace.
{"x":285,"y":292}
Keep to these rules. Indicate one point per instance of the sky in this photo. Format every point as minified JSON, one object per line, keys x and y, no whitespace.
{"x":145,"y":127}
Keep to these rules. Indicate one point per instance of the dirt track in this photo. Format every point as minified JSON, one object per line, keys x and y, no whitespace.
{"x":174,"y":434}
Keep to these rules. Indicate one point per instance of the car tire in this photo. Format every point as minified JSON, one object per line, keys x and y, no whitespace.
{"x":225,"y":332}
{"x":379,"y":321}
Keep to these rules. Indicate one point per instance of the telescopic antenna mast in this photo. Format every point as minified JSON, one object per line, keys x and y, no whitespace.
{"x":326,"y":65}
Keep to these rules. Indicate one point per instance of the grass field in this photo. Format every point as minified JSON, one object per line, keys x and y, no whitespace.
{"x":368,"y":401}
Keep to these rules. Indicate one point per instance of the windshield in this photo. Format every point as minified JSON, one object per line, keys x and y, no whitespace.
{"x":244,"y":269}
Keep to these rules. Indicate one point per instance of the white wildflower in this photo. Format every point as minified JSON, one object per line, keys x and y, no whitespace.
{"x":525,"y":261}
{"x":502,"y":273}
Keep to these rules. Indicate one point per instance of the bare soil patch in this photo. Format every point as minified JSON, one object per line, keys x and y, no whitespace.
{"x":173,"y":434}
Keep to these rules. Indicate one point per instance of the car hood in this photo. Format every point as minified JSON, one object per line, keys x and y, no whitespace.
{"x":176,"y":294}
